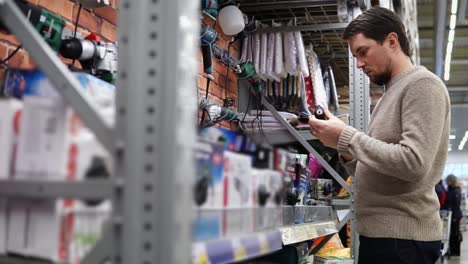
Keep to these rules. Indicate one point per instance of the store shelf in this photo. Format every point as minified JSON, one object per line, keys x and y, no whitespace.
{"x":258,"y":244}
{"x":299,"y":233}
{"x":236,"y":249}
{"x":279,"y":136}
{"x":21,"y":260}
{"x":341,"y":202}
{"x":95,"y":189}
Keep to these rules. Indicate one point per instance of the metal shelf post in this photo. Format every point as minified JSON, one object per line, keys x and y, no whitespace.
{"x":156,"y":106}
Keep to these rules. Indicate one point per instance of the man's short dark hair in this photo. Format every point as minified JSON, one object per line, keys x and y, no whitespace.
{"x":376,"y":23}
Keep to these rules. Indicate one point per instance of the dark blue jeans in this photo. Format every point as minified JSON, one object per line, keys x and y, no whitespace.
{"x":397,"y":251}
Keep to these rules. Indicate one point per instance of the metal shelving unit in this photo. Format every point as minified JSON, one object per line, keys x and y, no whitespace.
{"x":322,"y":24}
{"x":157,"y":42}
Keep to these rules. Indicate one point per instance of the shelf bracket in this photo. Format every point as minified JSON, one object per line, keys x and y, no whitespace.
{"x":90,"y":189}
{"x":306,"y":145}
{"x":345,"y":220}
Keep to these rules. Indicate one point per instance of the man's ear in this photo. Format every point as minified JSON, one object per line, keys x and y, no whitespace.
{"x":392,"y":39}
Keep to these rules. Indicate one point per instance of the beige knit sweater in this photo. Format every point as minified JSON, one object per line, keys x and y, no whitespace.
{"x":400,"y":160}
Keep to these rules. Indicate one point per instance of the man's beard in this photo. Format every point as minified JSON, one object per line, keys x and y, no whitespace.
{"x":382,"y":79}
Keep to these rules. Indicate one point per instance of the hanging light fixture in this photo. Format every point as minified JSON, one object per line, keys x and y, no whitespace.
{"x":230,"y":19}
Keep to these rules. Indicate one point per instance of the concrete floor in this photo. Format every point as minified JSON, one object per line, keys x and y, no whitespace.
{"x":463,"y":259}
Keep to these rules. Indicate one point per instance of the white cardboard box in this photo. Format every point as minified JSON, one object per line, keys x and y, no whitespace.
{"x":42,"y":139}
{"x":65,"y":230}
{"x":57,"y":220}
{"x":237,"y":173}
{"x":3,"y":225}
{"x":209,"y":164}
{"x":270,"y":181}
{"x":10,"y":113}
{"x":10,"y":110}
{"x":18,"y":215}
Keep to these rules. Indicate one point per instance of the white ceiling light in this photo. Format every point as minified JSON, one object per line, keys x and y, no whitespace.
{"x":447,"y":70}
{"x":451,"y":37}
{"x":450,"y":149}
{"x":452,"y":137}
{"x":454,"y":6}
{"x":453,"y":21}
{"x":462,"y":143}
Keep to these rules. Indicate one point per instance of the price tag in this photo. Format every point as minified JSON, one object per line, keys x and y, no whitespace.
{"x":199,"y":254}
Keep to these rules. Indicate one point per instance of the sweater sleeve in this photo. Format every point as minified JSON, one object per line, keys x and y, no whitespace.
{"x":350,"y":166}
{"x":425,"y":108}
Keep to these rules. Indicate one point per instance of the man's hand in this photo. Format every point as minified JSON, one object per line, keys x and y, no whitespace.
{"x":327,"y":131}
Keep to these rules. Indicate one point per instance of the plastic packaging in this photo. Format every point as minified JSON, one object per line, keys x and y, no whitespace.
{"x":326,"y":84}
{"x":245,"y":47}
{"x":303,"y":67}
{"x":314,"y":166}
{"x":270,"y":56}
{"x":334,"y":104}
{"x":256,"y":52}
{"x":263,"y":55}
{"x":317,"y":78}
{"x":309,"y":94}
{"x":303,"y":107}
{"x":250,"y":48}
{"x":290,"y":52}
{"x":279,"y":58}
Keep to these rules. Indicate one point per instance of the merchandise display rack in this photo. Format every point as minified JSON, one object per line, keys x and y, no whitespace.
{"x":157,"y":42}
{"x":321,"y":23}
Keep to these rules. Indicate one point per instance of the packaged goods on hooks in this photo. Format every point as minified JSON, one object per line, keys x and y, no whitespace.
{"x":291,"y":73}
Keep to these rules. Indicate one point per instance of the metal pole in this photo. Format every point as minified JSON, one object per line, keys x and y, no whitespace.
{"x":156,"y":130}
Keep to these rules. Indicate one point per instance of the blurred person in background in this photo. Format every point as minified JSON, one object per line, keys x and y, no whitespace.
{"x":441,"y":193}
{"x":452,"y":203}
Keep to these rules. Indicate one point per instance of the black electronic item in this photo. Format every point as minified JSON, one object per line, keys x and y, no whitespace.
{"x":261,"y":158}
{"x":319,"y":113}
{"x":200,"y":190}
{"x":292,"y":196}
{"x":209,"y":36}
{"x":203,"y":179}
{"x":262,"y":195}
{"x":303,"y":117}
{"x":242,"y":189}
{"x":96,"y":170}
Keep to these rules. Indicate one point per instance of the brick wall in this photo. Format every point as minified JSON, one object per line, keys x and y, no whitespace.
{"x":218,"y":89}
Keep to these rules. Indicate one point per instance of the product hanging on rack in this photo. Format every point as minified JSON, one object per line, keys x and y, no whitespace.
{"x":320,"y":95}
{"x":329,"y":81}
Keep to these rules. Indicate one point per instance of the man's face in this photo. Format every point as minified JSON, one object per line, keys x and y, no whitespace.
{"x":372,"y":57}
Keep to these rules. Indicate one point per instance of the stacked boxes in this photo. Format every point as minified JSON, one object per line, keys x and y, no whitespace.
{"x":53,"y":145}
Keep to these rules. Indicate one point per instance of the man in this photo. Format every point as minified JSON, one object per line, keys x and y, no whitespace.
{"x":453,"y":202}
{"x":401,"y":159}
